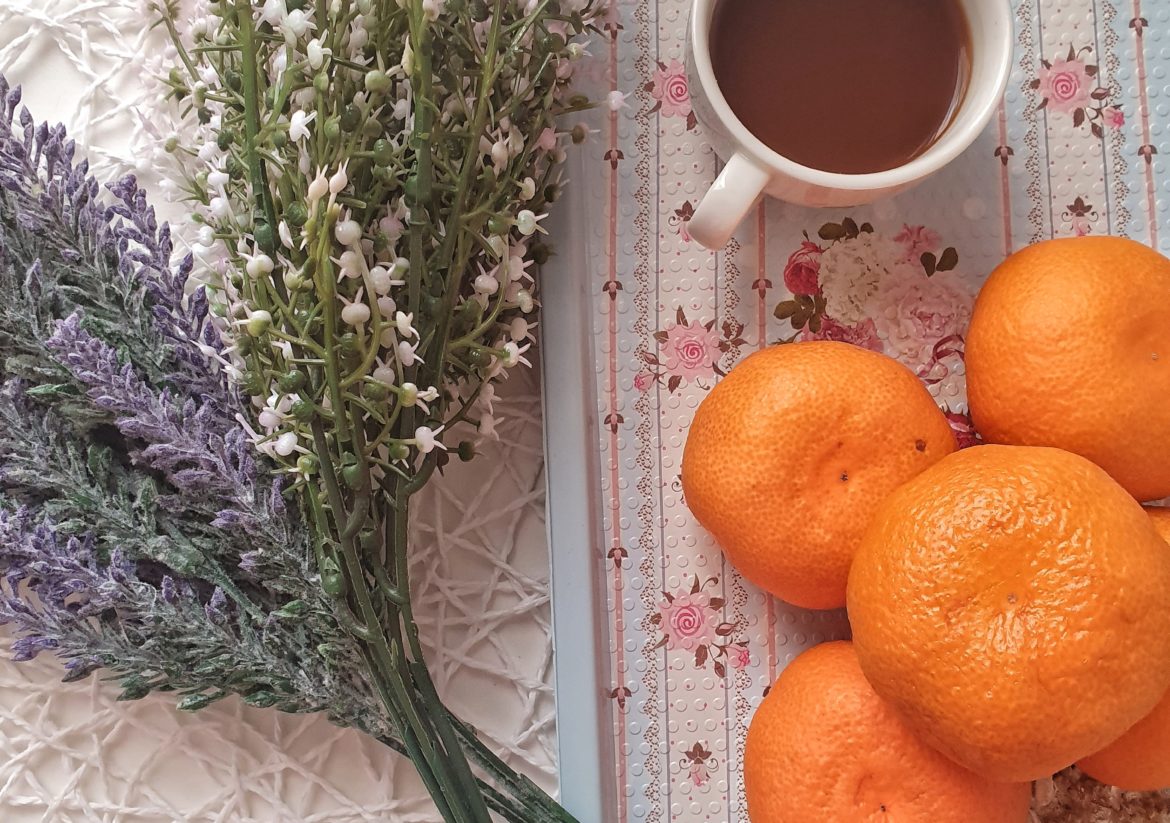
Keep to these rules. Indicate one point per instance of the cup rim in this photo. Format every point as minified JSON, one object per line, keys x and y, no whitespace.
{"x":953,"y":142}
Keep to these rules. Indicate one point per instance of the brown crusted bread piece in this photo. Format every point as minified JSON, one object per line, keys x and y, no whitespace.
{"x":1073,"y":797}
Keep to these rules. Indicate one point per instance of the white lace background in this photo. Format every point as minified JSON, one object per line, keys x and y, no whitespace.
{"x":70,"y":753}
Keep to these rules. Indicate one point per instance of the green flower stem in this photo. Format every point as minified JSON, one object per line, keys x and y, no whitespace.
{"x":252,"y":111}
{"x":385,"y":661}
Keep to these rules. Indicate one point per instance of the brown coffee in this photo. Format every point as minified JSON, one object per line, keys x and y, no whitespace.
{"x":850,"y":86}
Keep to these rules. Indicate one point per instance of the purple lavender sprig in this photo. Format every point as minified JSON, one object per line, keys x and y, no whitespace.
{"x":213,"y":471}
{"x":138,"y":532}
{"x":64,"y":247}
{"x":93,"y":609}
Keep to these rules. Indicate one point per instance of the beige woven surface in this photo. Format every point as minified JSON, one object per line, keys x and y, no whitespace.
{"x":70,"y":753}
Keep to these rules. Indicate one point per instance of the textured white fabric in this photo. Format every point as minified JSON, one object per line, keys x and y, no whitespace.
{"x":70,"y":753}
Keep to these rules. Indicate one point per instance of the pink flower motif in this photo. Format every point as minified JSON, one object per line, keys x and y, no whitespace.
{"x":669,"y":88}
{"x":1081,"y":225}
{"x":1065,"y":85}
{"x":687,"y":621}
{"x":803,"y":269}
{"x":699,"y":773}
{"x":739,"y":656}
{"x":643,"y":380}
{"x":691,"y":350}
{"x":912,"y":313}
{"x":864,"y":334}
{"x":917,"y":240}
{"x":1114,"y":117}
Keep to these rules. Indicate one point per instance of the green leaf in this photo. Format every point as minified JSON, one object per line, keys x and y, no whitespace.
{"x":949,"y":259}
{"x":262,"y":699}
{"x":831,"y":231}
{"x":195,"y":702}
{"x":929,"y":263}
{"x":294,"y":608}
{"x":51,"y":390}
{"x":786,"y":309}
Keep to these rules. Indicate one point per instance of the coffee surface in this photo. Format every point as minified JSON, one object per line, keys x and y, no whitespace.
{"x":849,"y":86}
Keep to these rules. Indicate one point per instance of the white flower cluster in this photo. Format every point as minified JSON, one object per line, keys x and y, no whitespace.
{"x":333,"y":174}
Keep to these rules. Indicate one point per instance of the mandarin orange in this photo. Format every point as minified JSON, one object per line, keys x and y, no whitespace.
{"x":1140,"y":759}
{"x":824,"y":747}
{"x":1013,"y":603}
{"x":790,"y":454}
{"x":1069,"y":346}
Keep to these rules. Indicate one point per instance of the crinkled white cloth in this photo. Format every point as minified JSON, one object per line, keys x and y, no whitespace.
{"x":70,"y":753}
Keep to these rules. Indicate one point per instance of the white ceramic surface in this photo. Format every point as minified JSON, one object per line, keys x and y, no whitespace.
{"x":753,"y":168}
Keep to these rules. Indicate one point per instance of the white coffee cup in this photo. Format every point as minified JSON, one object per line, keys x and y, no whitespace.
{"x":754,"y":169}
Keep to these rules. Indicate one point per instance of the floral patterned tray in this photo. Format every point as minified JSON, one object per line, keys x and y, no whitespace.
{"x":689,"y":648}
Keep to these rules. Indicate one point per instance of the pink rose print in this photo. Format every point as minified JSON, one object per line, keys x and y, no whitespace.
{"x":691,"y":350}
{"x":740,"y":657}
{"x":1069,"y":85}
{"x":1065,"y":84}
{"x":669,"y":87}
{"x":803,"y":268}
{"x":864,"y":334}
{"x":698,"y":763}
{"x":691,"y":621}
{"x":644,"y":380}
{"x":687,"y":621}
{"x":922,"y":320}
{"x":917,"y":240}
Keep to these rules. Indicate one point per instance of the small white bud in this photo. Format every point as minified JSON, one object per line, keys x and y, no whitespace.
{"x":486,"y":284}
{"x":387,"y":308}
{"x":258,"y":322}
{"x":500,"y":153}
{"x":385,"y":374}
{"x":293,"y":279}
{"x":498,"y":245}
{"x":259,"y":266}
{"x":315,"y":53}
{"x":318,"y":188}
{"x":286,"y":444}
{"x":356,"y":314}
{"x":380,"y":280}
{"x":351,"y":263}
{"x":270,"y":419}
{"x":338,"y":181}
{"x":526,"y":222}
{"x":348,"y":232}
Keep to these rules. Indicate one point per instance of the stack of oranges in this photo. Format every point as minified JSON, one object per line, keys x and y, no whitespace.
{"x":1010,"y":603}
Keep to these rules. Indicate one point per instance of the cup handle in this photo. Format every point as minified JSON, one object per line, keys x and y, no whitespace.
{"x":728,"y":201}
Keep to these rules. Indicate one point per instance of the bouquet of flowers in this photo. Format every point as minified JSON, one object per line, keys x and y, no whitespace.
{"x":206,"y":467}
